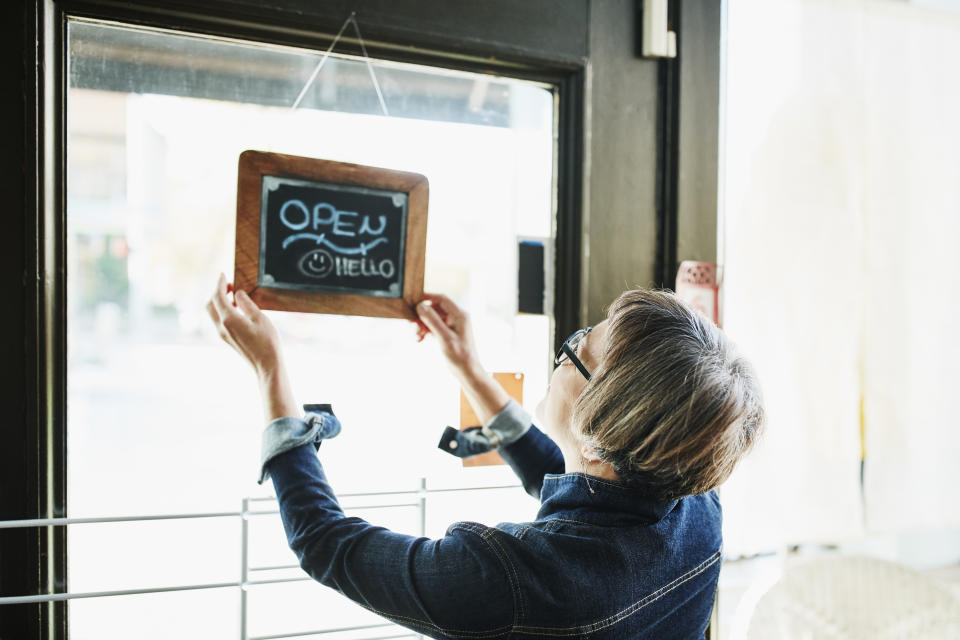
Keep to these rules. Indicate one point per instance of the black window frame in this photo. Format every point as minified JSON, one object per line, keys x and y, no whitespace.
{"x":33,"y":459}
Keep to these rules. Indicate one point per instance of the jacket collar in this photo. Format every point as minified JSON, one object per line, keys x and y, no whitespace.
{"x":578,"y":496}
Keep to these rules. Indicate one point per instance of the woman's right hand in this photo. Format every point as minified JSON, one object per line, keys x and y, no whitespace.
{"x":450,"y":325}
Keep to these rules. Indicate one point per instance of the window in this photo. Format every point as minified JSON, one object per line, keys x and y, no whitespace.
{"x":163,"y":419}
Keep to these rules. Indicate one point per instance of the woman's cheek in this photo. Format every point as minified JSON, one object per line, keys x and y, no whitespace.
{"x":538,"y":412}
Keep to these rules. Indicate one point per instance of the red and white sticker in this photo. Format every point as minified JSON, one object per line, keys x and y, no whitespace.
{"x":698,"y":286}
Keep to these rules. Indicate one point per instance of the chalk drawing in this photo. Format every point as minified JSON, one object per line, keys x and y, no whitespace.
{"x":341,"y":227}
{"x":322,"y":239}
{"x":325,"y":235}
{"x":364,"y":267}
{"x":283,"y":215}
{"x":365,"y":226}
{"x":335,"y":218}
{"x":317,"y":220}
{"x":316,"y":264}
{"x":338,"y":220}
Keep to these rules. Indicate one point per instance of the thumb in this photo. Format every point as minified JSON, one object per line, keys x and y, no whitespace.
{"x":248,"y":306}
{"x":433,"y":321}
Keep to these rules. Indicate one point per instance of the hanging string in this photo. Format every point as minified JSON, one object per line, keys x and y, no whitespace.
{"x":373,"y":76}
{"x":326,"y":54}
{"x":323,"y":60}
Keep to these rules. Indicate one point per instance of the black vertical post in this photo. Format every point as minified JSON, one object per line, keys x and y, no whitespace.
{"x":569,"y":241}
{"x":668,"y":144}
{"x":20,"y":457}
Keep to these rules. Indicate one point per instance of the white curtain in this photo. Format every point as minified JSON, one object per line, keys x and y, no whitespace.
{"x":912,"y":263}
{"x":840,"y":212}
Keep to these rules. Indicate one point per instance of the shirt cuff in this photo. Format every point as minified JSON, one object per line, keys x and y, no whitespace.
{"x":284,"y":434}
{"x":508,"y":426}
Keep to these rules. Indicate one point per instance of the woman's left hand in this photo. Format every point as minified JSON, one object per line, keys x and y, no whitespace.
{"x":244,"y":327}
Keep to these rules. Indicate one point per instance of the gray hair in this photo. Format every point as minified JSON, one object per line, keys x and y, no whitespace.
{"x":672,"y":406}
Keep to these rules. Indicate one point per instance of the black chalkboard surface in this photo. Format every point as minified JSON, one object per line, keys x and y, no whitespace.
{"x":319,"y":236}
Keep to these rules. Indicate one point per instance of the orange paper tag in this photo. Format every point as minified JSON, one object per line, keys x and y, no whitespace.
{"x":512,"y":383}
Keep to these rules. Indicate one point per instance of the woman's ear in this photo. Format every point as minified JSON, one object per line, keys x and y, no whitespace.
{"x":589,"y":453}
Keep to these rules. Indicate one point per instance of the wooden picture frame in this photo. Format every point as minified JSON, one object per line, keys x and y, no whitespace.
{"x":261,"y":175}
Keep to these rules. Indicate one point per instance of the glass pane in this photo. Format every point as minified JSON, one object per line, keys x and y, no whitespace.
{"x":280,"y":609}
{"x":163,"y":417}
{"x":154,"y":553}
{"x":211,"y":614}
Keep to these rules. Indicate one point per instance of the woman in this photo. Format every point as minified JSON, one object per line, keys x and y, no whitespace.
{"x":646,"y":413}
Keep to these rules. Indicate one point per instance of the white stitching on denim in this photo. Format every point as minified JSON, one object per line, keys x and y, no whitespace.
{"x":522,"y":531}
{"x":486,"y":533}
{"x":569,"y":631}
{"x":461,"y":633}
{"x":628,"y":611}
{"x":520,"y":614}
{"x":579,"y":474}
{"x":589,"y":524}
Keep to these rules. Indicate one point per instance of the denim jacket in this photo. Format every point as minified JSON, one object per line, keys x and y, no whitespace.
{"x":600,"y":560}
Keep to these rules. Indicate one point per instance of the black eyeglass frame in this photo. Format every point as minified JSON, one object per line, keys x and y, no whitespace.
{"x":568,"y":351}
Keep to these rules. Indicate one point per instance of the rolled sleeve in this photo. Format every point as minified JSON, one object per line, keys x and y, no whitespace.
{"x":284,"y":434}
{"x":509,"y":425}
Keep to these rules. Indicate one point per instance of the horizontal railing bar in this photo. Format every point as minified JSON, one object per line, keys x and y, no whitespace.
{"x":300,"y":634}
{"x":273,"y":581}
{"x":351,"y":507}
{"x":59,"y":522}
{"x":354,"y":507}
{"x":503,"y":486}
{"x":57,"y":597}
{"x":275,"y":568}
{"x":405,"y":492}
{"x":411,"y":634}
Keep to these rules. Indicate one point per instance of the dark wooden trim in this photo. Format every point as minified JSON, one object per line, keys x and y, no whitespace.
{"x":34,"y":448}
{"x":19,"y":454}
{"x":668,"y":144}
{"x":230,"y":19}
{"x":52,"y":356}
{"x":568,"y":254}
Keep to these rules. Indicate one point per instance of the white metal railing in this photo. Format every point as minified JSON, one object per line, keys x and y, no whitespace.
{"x":246,"y":570}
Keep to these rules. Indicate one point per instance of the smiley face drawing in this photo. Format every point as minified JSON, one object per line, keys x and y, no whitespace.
{"x":316,"y":264}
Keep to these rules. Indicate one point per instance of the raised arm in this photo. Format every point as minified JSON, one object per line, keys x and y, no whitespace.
{"x":404,"y":578}
{"x":451,"y":326}
{"x":453,"y":587}
{"x":505,"y":424}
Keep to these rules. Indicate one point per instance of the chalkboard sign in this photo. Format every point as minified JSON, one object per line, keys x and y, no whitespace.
{"x":329,"y":237}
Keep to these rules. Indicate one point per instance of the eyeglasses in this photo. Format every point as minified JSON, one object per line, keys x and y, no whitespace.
{"x":568,"y":351}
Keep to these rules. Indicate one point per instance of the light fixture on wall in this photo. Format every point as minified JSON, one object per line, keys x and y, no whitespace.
{"x":656,"y":39}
